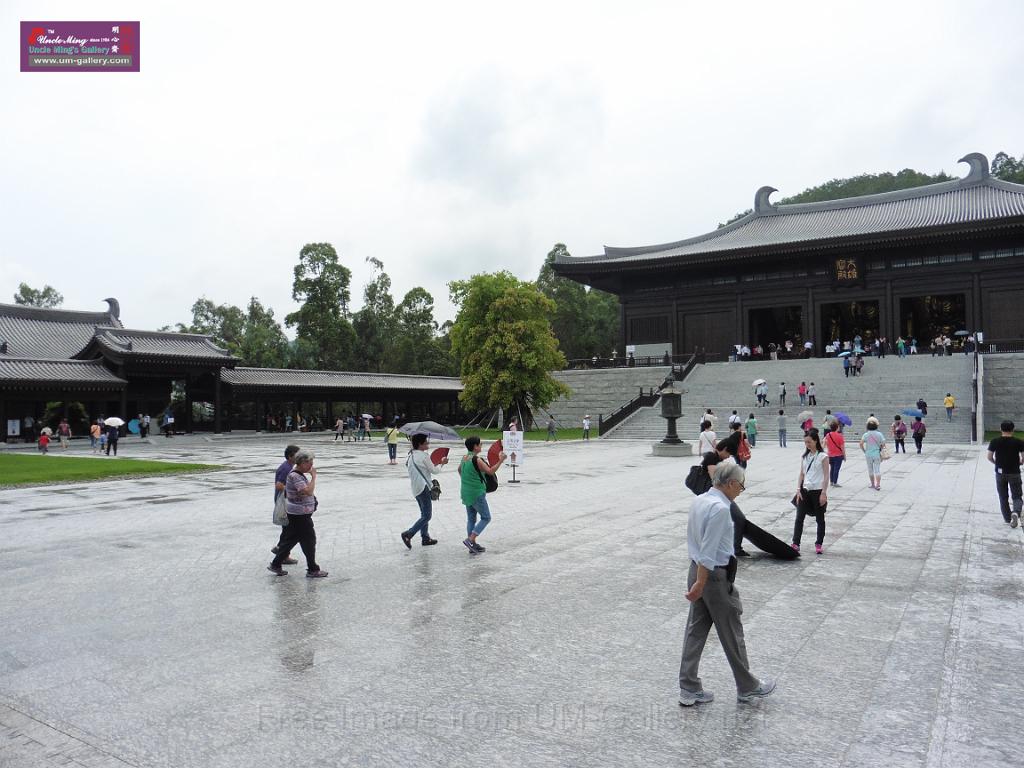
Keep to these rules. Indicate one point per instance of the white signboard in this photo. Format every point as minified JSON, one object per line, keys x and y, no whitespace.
{"x":512,"y":444}
{"x":13,"y":427}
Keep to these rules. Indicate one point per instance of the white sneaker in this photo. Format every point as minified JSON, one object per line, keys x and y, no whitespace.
{"x":764,"y":689}
{"x":689,"y":698}
{"x":1014,"y":520}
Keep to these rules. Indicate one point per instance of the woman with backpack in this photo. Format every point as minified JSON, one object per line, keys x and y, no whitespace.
{"x":835,"y":447}
{"x":474,"y":492}
{"x":919,"y":430}
{"x":812,"y":490}
{"x":898,"y":430}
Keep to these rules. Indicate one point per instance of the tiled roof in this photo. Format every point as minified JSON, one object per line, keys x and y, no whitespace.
{"x":18,"y":370}
{"x":270,"y":378}
{"x":49,"y":333}
{"x":124,"y":342}
{"x":973,"y":202}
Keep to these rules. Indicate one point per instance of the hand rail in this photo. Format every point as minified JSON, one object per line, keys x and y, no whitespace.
{"x":643,"y":400}
{"x":997,"y":346}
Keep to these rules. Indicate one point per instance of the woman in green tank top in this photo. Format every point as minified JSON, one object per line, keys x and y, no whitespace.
{"x":474,"y":492}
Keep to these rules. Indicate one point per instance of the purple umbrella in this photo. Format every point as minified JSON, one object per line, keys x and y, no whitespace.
{"x":842,"y":418}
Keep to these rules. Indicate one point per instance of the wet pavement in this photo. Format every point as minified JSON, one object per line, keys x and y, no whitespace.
{"x":142,"y":629}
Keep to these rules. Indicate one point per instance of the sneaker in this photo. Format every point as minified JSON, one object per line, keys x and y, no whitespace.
{"x":817,"y":549}
{"x":428,"y":542}
{"x":796,"y":547}
{"x":289,"y":561}
{"x":407,"y":540}
{"x":277,"y":570}
{"x":1014,"y":520}
{"x":470,"y":546}
{"x":689,"y":698}
{"x":836,"y":485}
{"x":316,"y":574}
{"x":478,"y":548}
{"x":764,"y":689}
{"x":274,"y":550}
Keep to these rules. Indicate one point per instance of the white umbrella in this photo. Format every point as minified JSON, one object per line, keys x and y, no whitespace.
{"x":757,"y":382}
{"x":805,"y":415}
{"x":114,"y":421}
{"x":367,"y":416}
{"x":46,"y":431}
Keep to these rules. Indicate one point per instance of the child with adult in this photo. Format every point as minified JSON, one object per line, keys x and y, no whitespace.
{"x":871,"y":442}
{"x":835,"y":447}
{"x":280,"y":478}
{"x":898,"y":432}
{"x":420,"y":467}
{"x":474,"y":492}
{"x":300,"y":493}
{"x":812,"y":490}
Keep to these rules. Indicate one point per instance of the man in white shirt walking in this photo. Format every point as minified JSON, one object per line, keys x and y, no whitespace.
{"x":714,"y":601}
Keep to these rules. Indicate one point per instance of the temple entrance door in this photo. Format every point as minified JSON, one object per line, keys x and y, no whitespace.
{"x":843,"y":321}
{"x":925,"y":317}
{"x":776,"y":325}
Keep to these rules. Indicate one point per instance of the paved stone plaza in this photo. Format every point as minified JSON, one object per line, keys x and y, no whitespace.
{"x":142,"y":629}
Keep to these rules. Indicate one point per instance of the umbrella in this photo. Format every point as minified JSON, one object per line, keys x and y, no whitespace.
{"x":431,"y":429}
{"x":962,"y":333}
{"x":114,"y":421}
{"x":133,"y":426}
{"x":912,"y":412}
{"x":757,"y":382}
{"x":842,"y":418}
{"x":804,"y":416}
{"x":844,"y":354}
{"x":46,"y":431}
{"x":366,"y":416}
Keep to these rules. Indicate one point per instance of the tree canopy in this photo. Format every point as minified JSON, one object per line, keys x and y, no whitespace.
{"x":46,"y":297}
{"x":323,"y":328}
{"x":252,"y":334}
{"x":374,"y":324}
{"x":503,"y":341}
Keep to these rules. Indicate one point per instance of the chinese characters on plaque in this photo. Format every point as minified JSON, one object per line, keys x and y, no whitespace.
{"x":847,"y":269}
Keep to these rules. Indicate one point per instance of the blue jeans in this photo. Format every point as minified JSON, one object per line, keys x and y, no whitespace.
{"x":392,"y":451}
{"x":834,"y":464}
{"x":752,"y":437}
{"x":426,"y":512}
{"x":782,"y":438}
{"x":478,"y":507}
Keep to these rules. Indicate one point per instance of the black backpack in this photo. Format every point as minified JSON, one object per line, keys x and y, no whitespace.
{"x":490,"y":481}
{"x":698,"y":480}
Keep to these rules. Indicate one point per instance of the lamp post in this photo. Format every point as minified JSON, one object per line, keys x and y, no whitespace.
{"x":671,"y":410}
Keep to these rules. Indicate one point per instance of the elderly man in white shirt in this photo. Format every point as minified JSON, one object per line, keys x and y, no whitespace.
{"x":714,"y":601}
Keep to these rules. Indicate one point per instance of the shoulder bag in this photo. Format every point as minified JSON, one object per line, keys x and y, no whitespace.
{"x":281,"y":509}
{"x":433,"y":485}
{"x":490,"y":481}
{"x":698,"y":480}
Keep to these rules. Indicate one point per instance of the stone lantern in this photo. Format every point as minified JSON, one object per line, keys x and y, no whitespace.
{"x":671,"y":410}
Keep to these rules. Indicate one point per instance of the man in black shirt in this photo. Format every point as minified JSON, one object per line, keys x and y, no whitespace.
{"x":1007,"y":453}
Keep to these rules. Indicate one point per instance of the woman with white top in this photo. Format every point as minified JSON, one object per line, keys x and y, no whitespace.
{"x":420,"y":469}
{"x":708,"y":440}
{"x":812,"y":490}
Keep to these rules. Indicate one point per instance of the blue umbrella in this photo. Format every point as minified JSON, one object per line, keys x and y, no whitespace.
{"x":844,"y":354}
{"x":842,"y":418}
{"x":912,"y":412}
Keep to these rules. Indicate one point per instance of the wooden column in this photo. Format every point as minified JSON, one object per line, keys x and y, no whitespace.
{"x":976,"y":317}
{"x":261,"y":419}
{"x":188,"y":404}
{"x":217,"y":402}
{"x":739,"y":320}
{"x":3,"y":420}
{"x":888,"y":319}
{"x":808,"y":316}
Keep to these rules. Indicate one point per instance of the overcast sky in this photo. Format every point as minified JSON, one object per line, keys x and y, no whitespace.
{"x":450,"y":138}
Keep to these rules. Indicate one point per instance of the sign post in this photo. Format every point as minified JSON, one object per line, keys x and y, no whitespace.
{"x":512,"y":444}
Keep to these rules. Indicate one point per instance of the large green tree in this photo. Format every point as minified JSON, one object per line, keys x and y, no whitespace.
{"x":586,"y":320}
{"x":374,"y":324}
{"x":224,"y":323}
{"x":47,"y":297}
{"x":502,"y":337}
{"x":251,"y":334}
{"x":1008,"y":168}
{"x":323,"y":328}
{"x":418,"y":348}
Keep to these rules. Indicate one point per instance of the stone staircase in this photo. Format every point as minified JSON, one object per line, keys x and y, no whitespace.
{"x":601,"y":391}
{"x":886,"y":387}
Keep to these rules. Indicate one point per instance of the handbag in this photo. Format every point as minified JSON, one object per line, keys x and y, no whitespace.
{"x":698,"y":480}
{"x":435,"y":487}
{"x":281,"y":509}
{"x":743,"y":452}
{"x":884,"y":453}
{"x":490,"y":481}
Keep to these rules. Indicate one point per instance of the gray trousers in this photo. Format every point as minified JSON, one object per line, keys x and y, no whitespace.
{"x":720,"y":606}
{"x":1008,"y":485}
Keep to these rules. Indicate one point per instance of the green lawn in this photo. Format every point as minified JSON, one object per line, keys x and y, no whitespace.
{"x":993,"y":435}
{"x":537,"y":434}
{"x":37,"y":469}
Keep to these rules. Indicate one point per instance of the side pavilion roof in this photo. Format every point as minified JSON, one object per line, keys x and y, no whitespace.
{"x":50,"y":333}
{"x":270,"y":379}
{"x":975,"y":202}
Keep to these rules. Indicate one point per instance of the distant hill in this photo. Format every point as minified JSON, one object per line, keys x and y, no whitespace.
{"x":1004,"y":167}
